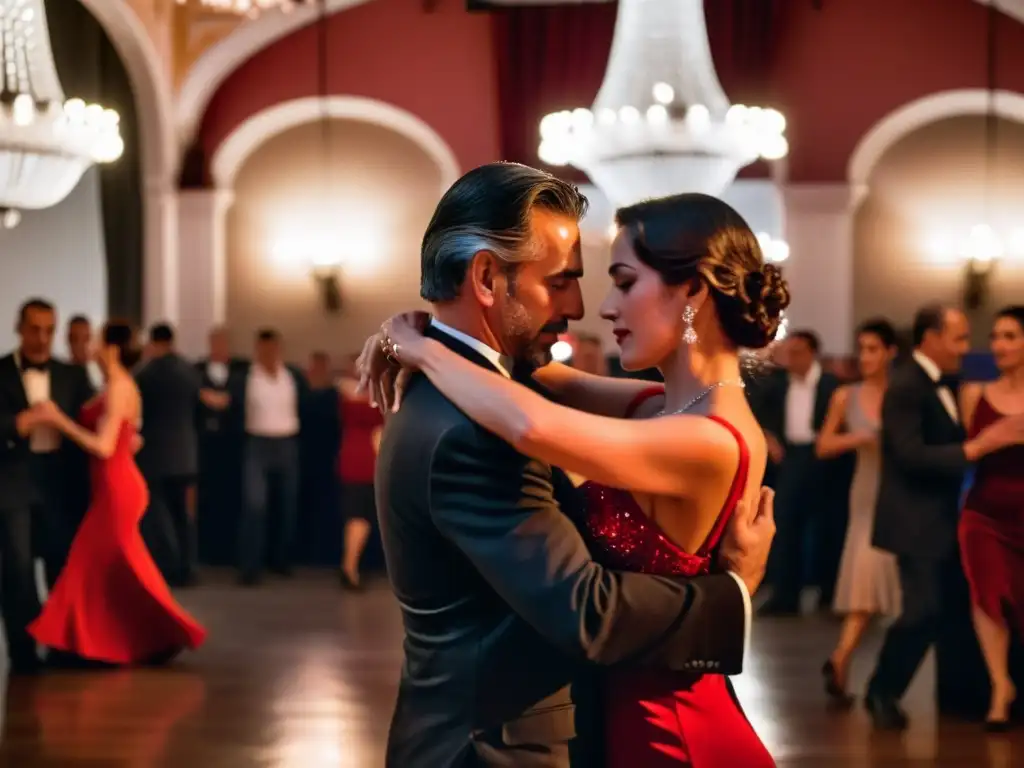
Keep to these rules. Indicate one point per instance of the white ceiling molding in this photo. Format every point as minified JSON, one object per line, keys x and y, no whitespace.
{"x":250,"y":37}
{"x":255,"y":131}
{"x":151,"y":86}
{"x":916,"y":114}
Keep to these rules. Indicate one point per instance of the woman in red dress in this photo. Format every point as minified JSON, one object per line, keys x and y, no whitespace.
{"x":992,"y":524}
{"x":110,"y":603}
{"x":361,"y":425}
{"x":690,"y":290}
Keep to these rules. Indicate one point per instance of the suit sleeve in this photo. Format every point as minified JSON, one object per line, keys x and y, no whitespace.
{"x":498,"y":508}
{"x":903,"y":436}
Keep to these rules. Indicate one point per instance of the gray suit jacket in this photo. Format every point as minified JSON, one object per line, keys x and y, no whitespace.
{"x":504,"y":606}
{"x":169,"y":386}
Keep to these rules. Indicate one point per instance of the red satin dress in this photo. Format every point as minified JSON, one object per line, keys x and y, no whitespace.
{"x":992,"y":527}
{"x":110,"y":603}
{"x":655,"y":718}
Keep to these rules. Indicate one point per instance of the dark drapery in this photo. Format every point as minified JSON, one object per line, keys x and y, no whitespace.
{"x":554,"y":57}
{"x":90,"y":68}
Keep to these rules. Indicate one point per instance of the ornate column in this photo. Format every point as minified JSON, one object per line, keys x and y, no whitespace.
{"x":160,"y":272}
{"x":202,"y":265}
{"x":819,"y":229}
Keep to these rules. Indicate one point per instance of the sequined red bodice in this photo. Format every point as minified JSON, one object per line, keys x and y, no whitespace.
{"x":622,"y":537}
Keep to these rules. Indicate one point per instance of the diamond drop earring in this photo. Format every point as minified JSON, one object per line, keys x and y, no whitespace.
{"x":689,"y":334}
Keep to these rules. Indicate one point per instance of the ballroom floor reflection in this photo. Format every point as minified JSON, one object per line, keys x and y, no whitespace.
{"x":299,"y":675}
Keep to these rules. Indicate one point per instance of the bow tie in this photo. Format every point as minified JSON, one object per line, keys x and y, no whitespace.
{"x":28,"y":365}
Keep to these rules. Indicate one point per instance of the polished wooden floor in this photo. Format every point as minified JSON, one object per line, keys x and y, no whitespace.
{"x":298,"y":674}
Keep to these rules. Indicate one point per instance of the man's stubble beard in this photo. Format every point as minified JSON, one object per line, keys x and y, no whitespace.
{"x":519,"y":335}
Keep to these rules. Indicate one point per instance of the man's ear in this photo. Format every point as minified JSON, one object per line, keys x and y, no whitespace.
{"x":482,"y":273}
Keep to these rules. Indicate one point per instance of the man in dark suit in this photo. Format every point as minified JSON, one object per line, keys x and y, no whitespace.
{"x":34,"y":515}
{"x":503,"y":604}
{"x":792,"y":409}
{"x":267,"y":401}
{"x":220,"y":450}
{"x":170,"y":386}
{"x":924,"y":458}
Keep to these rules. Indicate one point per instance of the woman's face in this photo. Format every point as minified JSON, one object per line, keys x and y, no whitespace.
{"x":1008,"y":344}
{"x":646,"y":315}
{"x":873,"y":357}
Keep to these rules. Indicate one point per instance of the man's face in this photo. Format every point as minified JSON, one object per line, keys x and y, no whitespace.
{"x":219,"y":346}
{"x":799,"y":356}
{"x":268,"y":352}
{"x":534,"y":304}
{"x":80,"y":341}
{"x":948,"y":346}
{"x":36,"y":332}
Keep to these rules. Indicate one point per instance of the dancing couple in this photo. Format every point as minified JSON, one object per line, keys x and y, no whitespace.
{"x":541,"y":523}
{"x":109,"y":603}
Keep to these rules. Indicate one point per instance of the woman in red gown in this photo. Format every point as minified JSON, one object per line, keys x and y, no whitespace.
{"x":110,"y":603}
{"x":690,"y":289}
{"x":992,"y":524}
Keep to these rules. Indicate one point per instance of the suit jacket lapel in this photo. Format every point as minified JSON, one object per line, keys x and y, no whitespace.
{"x":11,"y":377}
{"x":459,"y":347}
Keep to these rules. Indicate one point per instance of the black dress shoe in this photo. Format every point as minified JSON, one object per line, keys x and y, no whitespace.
{"x":997,"y":726}
{"x":26,"y":667}
{"x":837,"y":695}
{"x":885,"y":713}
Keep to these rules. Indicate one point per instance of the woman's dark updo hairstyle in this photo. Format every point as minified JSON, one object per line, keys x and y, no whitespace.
{"x":122,"y":335}
{"x":1013,"y":312}
{"x":882,"y":329}
{"x":690,"y":236}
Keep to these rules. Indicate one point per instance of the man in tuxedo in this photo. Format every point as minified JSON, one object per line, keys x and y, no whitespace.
{"x":924,"y":458}
{"x":792,"y":408}
{"x":220,"y":451}
{"x":169,"y":386}
{"x":502,"y":603}
{"x":34,"y":514}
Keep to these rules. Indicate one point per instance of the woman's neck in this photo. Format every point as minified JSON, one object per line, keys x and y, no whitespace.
{"x":692,"y":370}
{"x":1014,"y":379}
{"x":879,"y":380}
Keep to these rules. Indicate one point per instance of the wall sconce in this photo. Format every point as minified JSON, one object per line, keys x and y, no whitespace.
{"x":328,"y":283}
{"x":324,"y":263}
{"x":979,"y":252}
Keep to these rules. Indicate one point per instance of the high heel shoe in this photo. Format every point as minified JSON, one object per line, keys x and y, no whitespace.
{"x":1002,"y":724}
{"x":833,"y":688}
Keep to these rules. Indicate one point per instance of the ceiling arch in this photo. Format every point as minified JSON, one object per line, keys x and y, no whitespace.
{"x":220,"y":60}
{"x":254,"y":132}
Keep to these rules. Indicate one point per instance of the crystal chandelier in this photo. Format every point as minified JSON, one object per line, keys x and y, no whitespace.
{"x":250,"y":8}
{"x":46,"y":143}
{"x":661,"y":123}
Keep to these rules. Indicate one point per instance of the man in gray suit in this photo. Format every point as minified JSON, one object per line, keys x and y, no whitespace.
{"x":170,"y":388}
{"x":502,"y":603}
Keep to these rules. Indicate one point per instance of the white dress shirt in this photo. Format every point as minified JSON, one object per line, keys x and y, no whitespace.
{"x":935,"y":374}
{"x":502,"y":362}
{"x":271,"y":403}
{"x":217,"y":373}
{"x":800,"y":399}
{"x":36,"y":384}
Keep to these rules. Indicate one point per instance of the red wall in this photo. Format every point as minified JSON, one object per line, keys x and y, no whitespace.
{"x":439,"y":66}
{"x":837,"y":71}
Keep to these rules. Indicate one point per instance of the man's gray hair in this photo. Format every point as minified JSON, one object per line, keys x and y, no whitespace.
{"x":488,"y":209}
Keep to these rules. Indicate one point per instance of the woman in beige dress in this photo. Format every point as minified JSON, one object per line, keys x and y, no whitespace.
{"x":868,"y":583}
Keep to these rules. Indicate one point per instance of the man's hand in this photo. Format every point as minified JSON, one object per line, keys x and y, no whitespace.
{"x":748,"y":540}
{"x":26,"y":421}
{"x":775,"y":450}
{"x":214,"y":400}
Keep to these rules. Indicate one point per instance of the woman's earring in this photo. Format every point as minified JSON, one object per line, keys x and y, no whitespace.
{"x":689,"y":334}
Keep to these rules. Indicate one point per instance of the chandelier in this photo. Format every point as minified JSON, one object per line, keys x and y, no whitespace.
{"x":46,"y":143}
{"x":661,"y":123}
{"x":250,"y":8}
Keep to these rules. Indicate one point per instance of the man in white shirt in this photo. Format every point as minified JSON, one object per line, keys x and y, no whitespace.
{"x":35,"y":519}
{"x":268,"y":400}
